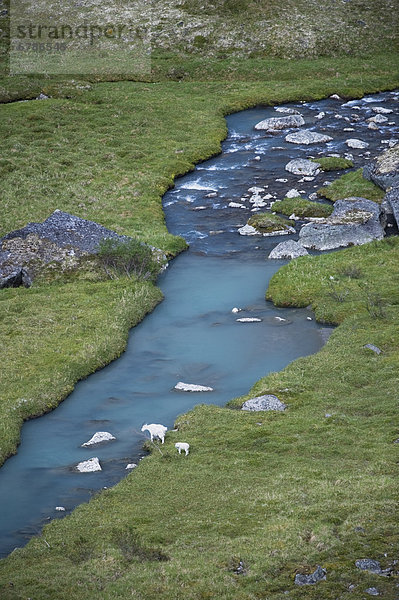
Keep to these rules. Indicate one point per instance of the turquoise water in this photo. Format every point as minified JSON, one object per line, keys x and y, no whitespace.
{"x":192,"y":336}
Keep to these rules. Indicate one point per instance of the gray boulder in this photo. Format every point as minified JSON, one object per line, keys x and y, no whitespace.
{"x":354,"y":221}
{"x":391,"y":203}
{"x":384,"y":170}
{"x":274,"y":124}
{"x":369,"y":564}
{"x":287,"y":110}
{"x":356,"y":144}
{"x":318,"y":575}
{"x":301,"y":166}
{"x":307,"y":137}
{"x":289,"y":249}
{"x":61,"y":239}
{"x":267,"y":402}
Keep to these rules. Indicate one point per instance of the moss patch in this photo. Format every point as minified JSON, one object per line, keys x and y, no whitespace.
{"x":268,"y":222}
{"x":302,"y":208}
{"x":349,"y":185}
{"x":333,"y":163}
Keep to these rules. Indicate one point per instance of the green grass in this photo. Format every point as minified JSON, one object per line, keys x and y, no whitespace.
{"x":268,"y":222}
{"x":352,"y":184}
{"x":333,"y":163}
{"x":302,"y":208}
{"x":281,"y":492}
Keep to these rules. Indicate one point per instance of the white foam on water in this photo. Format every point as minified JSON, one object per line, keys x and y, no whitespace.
{"x":196,"y":185}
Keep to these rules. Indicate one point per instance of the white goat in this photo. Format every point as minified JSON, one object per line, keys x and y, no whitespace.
{"x":182,"y":446}
{"x":155,"y":430}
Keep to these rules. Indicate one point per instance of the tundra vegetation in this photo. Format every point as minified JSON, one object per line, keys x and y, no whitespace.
{"x":260,"y":497}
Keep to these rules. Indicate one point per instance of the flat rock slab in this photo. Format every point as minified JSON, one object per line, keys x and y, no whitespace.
{"x":89,"y":466}
{"x":369,"y":564}
{"x":384,"y":170}
{"x":277,"y":123}
{"x":99,"y":437}
{"x":307,"y":137}
{"x":192,"y":387}
{"x":318,"y":575}
{"x":261,"y":403}
{"x":373,"y":348}
{"x":289,"y":249}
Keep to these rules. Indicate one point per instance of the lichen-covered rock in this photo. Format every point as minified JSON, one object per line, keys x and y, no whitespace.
{"x":274,"y":124}
{"x":307,"y":137}
{"x":369,"y":564}
{"x":302,"y":166}
{"x":60,"y":240}
{"x":289,"y":249}
{"x":392,"y":201}
{"x":318,"y":575}
{"x":384,"y":170}
{"x":266,"y":402}
{"x":354,"y":221}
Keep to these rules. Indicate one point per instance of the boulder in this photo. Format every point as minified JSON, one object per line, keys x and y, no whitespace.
{"x":289,"y":249}
{"x":274,"y":124}
{"x":301,"y":166}
{"x":89,"y":466}
{"x":354,"y":221}
{"x":248,"y":230}
{"x":98,"y":438}
{"x":384,"y":170}
{"x":267,"y":402}
{"x":378,"y":119}
{"x":369,"y":564}
{"x":391,"y":201}
{"x":357,"y":144}
{"x":191,"y":387}
{"x":318,"y":575}
{"x":307,"y":137}
{"x":61,"y":239}
{"x":381,"y":110}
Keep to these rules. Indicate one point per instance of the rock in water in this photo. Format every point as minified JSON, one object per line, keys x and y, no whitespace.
{"x":89,"y":466}
{"x":301,"y":166}
{"x":249,"y":320}
{"x":307,"y":137}
{"x":192,"y":387}
{"x":99,"y":437}
{"x":267,"y":402}
{"x":288,"y":249}
{"x":357,"y":144}
{"x":277,"y":123}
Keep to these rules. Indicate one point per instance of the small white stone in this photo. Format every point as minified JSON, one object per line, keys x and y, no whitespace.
{"x":131,"y":466}
{"x":60,"y":508}
{"x":309,"y":319}
{"x":381,"y":110}
{"x":257,"y":158}
{"x":282,"y":180}
{"x":280,"y":319}
{"x":293,"y":193}
{"x":248,"y":230}
{"x":249,"y":320}
{"x":236,"y":205}
{"x":320,"y":115}
{"x":235,"y":310}
{"x":335,"y":97}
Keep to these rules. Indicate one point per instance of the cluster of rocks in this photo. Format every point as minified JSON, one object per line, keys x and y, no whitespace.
{"x":61,"y":240}
{"x":354,"y":221}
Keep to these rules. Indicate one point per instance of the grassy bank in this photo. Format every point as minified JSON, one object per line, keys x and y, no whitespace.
{"x":279,"y":492}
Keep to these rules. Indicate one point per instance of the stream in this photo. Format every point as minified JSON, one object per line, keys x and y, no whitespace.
{"x":192,"y":336}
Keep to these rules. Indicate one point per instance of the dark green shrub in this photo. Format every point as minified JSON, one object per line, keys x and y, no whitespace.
{"x":130,"y":257}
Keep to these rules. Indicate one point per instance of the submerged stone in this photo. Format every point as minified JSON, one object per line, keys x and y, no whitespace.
{"x":192,"y":387}
{"x":98,"y":438}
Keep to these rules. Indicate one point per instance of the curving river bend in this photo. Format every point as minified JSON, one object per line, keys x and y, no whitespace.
{"x":192,"y":336}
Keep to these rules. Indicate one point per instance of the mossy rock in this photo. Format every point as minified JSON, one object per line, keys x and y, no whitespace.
{"x":302,"y":208}
{"x":333,"y":163}
{"x":269,"y":222}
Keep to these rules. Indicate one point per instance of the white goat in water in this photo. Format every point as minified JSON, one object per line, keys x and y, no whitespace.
{"x":182,"y":446}
{"x":155,"y":430}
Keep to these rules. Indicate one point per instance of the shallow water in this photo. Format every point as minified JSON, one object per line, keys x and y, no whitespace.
{"x":192,"y":336}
